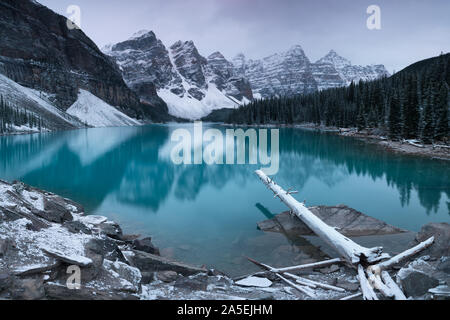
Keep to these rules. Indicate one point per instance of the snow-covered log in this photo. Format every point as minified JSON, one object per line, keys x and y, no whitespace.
{"x":353,"y":296}
{"x":396,"y":291}
{"x":307,"y":266}
{"x":377,"y":268}
{"x":414,"y":143}
{"x":348,"y":249}
{"x":300,"y":288}
{"x":313,"y":284}
{"x":366,"y":288}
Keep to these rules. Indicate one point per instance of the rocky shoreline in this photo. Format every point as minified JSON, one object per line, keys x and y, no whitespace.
{"x":44,"y":238}
{"x":441,"y":152}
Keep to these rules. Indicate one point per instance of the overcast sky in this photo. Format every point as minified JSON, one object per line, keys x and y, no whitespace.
{"x":411,"y":30}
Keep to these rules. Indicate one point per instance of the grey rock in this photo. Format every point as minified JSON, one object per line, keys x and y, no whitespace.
{"x":111,"y":229}
{"x":72,"y":260}
{"x":147,"y":262}
{"x":331,"y":269}
{"x":77,"y":227}
{"x":145,"y":245}
{"x":105,"y":247}
{"x":55,"y":291}
{"x":193,"y":283}
{"x":54,"y":211}
{"x":347,"y":285}
{"x":5,"y":281}
{"x":167,"y":276}
{"x":417,"y":283}
{"x":5,"y":245}
{"x":444,"y":265}
{"x":441,"y":234}
{"x":28,"y":289}
{"x":350,"y":222}
{"x":147,"y":277}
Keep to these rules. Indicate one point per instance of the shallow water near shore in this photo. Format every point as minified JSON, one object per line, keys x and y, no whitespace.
{"x":205,"y":214}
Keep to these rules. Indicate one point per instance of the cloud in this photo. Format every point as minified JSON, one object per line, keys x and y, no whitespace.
{"x":411,"y":29}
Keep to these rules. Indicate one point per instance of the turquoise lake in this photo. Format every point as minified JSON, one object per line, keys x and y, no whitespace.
{"x":205,"y":214}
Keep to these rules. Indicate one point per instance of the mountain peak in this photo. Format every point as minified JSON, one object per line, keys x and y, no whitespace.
{"x":296,"y":49}
{"x":335,"y":59}
{"x":216,"y":56}
{"x":143,"y":34}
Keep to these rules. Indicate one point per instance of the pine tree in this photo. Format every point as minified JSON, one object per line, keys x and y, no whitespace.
{"x":442,"y":112}
{"x":394,"y":121}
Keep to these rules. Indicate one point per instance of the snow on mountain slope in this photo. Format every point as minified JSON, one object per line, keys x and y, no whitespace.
{"x":191,"y":85}
{"x":291,"y":72}
{"x":188,"y":107}
{"x":97,"y":113}
{"x":36,"y":103}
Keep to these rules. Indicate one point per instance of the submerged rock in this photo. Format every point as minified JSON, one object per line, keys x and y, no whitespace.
{"x":145,"y":245}
{"x":348,"y":221}
{"x":147,"y":262}
{"x":441,"y":234}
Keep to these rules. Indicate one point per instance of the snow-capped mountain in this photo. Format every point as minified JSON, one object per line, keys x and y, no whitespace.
{"x":283,"y":73}
{"x":193,"y":86}
{"x":291,"y":72}
{"x":190,"y":84}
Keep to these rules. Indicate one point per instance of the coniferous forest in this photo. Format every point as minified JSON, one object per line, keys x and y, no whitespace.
{"x":412,"y":104}
{"x":14,"y":116}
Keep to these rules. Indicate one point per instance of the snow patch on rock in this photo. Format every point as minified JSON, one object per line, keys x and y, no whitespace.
{"x":95,"y":112}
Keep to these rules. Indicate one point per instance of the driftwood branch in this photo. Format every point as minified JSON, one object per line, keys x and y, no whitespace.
{"x":366,"y":288}
{"x":353,"y":296}
{"x":402,"y":256}
{"x":348,"y":249}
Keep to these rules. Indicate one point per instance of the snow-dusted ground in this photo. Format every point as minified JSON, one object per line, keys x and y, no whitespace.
{"x":97,"y":113}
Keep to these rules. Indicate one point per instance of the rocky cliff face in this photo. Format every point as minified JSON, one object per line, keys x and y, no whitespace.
{"x":38,"y":51}
{"x":291,"y":72}
{"x":189,"y":83}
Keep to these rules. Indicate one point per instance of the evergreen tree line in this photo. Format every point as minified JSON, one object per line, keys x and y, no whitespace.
{"x":412,"y":104}
{"x":13,"y":116}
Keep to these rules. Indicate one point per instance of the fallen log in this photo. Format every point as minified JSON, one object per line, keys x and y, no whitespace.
{"x":348,"y":249}
{"x":377,"y":268}
{"x":366,"y":288}
{"x":356,"y":295}
{"x":313,"y":283}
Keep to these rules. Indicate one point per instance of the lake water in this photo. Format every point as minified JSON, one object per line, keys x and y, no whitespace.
{"x":207,"y":214}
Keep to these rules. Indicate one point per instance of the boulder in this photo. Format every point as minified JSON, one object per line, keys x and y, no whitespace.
{"x":105,"y":247}
{"x":5,"y":245}
{"x":416,"y":283}
{"x":5,"y":281}
{"x":444,"y":265}
{"x":54,"y":211}
{"x":147,"y":262}
{"x":130,"y":277}
{"x":55,"y":291}
{"x":111,"y":229}
{"x":441,"y":234}
{"x":145,"y":245}
{"x":28,"y":289}
{"x":167,"y":276}
{"x":147,"y":277}
{"x":350,"y":222}
{"x":347,"y":285}
{"x":69,"y":258}
{"x":77,"y":227}
{"x":193,"y":283}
